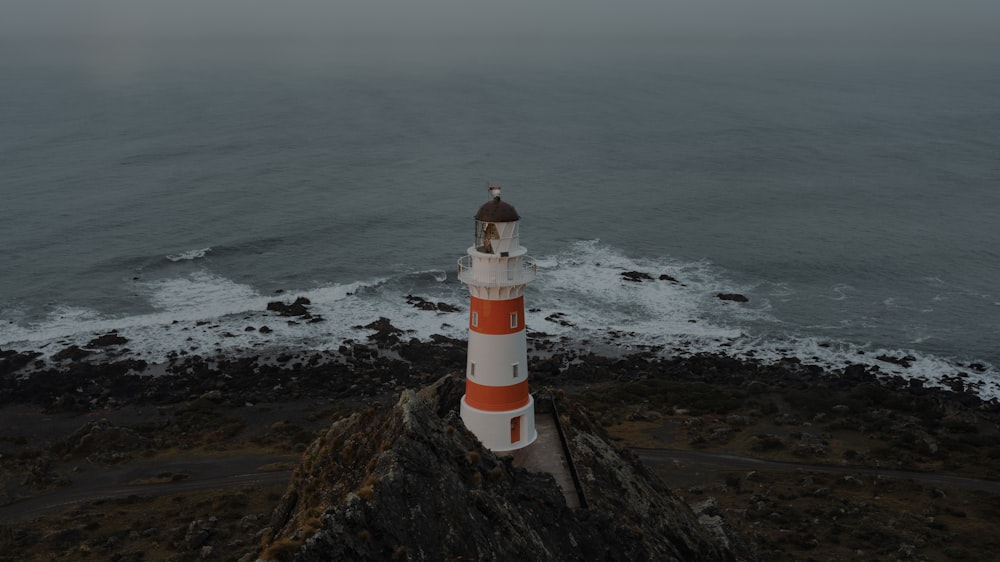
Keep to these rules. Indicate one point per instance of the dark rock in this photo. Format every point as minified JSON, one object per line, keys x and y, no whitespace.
{"x":100,"y":441}
{"x":559,"y":318}
{"x":107,"y":340}
{"x":640,"y":276}
{"x":297,"y":308}
{"x":901,"y":361}
{"x":735,"y":297}
{"x":66,"y":537}
{"x":73,"y":353}
{"x":198,"y":532}
{"x":265,"y":329}
{"x":11,"y":361}
{"x":385,"y":332}
{"x":424,"y":304}
{"x":857,"y":373}
{"x":420,"y":303}
{"x":636,"y":276}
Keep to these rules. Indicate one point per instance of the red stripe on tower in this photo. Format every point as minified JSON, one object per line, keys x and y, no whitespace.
{"x":496,"y":317}
{"x":497,"y":398}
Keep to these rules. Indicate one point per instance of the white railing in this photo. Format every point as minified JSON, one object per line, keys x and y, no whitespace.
{"x":503,"y":273}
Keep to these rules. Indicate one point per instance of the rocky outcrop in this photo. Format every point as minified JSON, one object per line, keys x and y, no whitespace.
{"x":298,"y":308}
{"x":11,"y":361}
{"x":424,"y":304}
{"x":636,"y":276}
{"x":903,"y":362}
{"x":411,"y":483}
{"x":640,"y":276}
{"x":100,"y":441}
{"x":385,"y":333}
{"x":107,"y":340}
{"x":72,"y":353}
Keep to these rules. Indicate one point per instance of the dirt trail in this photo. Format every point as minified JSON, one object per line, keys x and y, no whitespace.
{"x":229,"y":471}
{"x":722,"y":461}
{"x":176,"y":476}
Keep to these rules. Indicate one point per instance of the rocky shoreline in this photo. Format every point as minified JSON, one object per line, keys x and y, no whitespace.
{"x":100,"y":410}
{"x":81,"y":379}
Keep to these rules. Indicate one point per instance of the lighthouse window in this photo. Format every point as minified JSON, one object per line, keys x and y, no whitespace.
{"x":475,"y":319}
{"x":472,"y":369}
{"x":515,"y":370}
{"x":513,"y":320}
{"x":486,"y":236}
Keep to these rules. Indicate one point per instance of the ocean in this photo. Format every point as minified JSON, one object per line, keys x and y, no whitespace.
{"x":170,"y":191}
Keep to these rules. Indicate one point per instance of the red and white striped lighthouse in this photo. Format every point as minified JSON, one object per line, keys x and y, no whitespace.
{"x":497,"y":406}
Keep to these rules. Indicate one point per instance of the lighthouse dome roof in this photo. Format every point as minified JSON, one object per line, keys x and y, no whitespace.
{"x":496,"y":210}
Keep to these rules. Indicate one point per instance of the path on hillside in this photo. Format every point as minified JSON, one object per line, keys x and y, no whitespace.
{"x":231,"y":471}
{"x":195,"y":475}
{"x":729,"y":461}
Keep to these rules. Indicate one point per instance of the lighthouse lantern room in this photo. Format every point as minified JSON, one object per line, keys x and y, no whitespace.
{"x":497,"y":406}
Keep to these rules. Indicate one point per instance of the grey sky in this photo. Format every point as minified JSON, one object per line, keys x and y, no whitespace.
{"x":925,"y":20}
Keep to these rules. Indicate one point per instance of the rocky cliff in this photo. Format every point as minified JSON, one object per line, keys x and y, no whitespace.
{"x":409,"y":482}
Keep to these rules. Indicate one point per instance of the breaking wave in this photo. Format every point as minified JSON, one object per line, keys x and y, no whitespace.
{"x":189,"y":255}
{"x":588,"y":295}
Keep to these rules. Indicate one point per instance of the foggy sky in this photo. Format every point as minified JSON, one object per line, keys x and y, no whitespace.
{"x":848,"y":20}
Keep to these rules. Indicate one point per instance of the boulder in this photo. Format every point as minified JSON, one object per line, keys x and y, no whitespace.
{"x":385,"y":332}
{"x":424,"y":304}
{"x":296,"y":308}
{"x":11,"y":361}
{"x":101,"y":441}
{"x":903,"y":362}
{"x":72,"y":353}
{"x":636,"y":276}
{"x":107,"y":340}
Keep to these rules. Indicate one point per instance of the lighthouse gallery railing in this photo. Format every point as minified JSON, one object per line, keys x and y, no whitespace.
{"x":510,"y":273}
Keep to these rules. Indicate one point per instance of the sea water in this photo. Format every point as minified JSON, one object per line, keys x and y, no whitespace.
{"x":170,"y":192}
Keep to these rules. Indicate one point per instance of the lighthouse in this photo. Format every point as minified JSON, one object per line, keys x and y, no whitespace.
{"x":497,"y":406}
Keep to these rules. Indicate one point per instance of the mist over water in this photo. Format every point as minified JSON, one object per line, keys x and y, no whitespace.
{"x":849,"y":193}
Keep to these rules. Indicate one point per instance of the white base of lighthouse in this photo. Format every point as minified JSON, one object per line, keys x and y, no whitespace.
{"x":502,"y":431}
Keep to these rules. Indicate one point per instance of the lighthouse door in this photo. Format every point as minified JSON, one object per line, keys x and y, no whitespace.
{"x":515,"y":429}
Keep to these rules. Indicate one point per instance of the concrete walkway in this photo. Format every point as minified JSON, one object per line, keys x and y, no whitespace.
{"x":546,"y":454}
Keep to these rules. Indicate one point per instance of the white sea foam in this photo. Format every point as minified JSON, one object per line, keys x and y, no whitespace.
{"x":63,"y":321}
{"x":189,"y":255}
{"x":842,"y":292}
{"x":202,"y":294}
{"x":586,"y":284}
{"x":579,"y":293}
